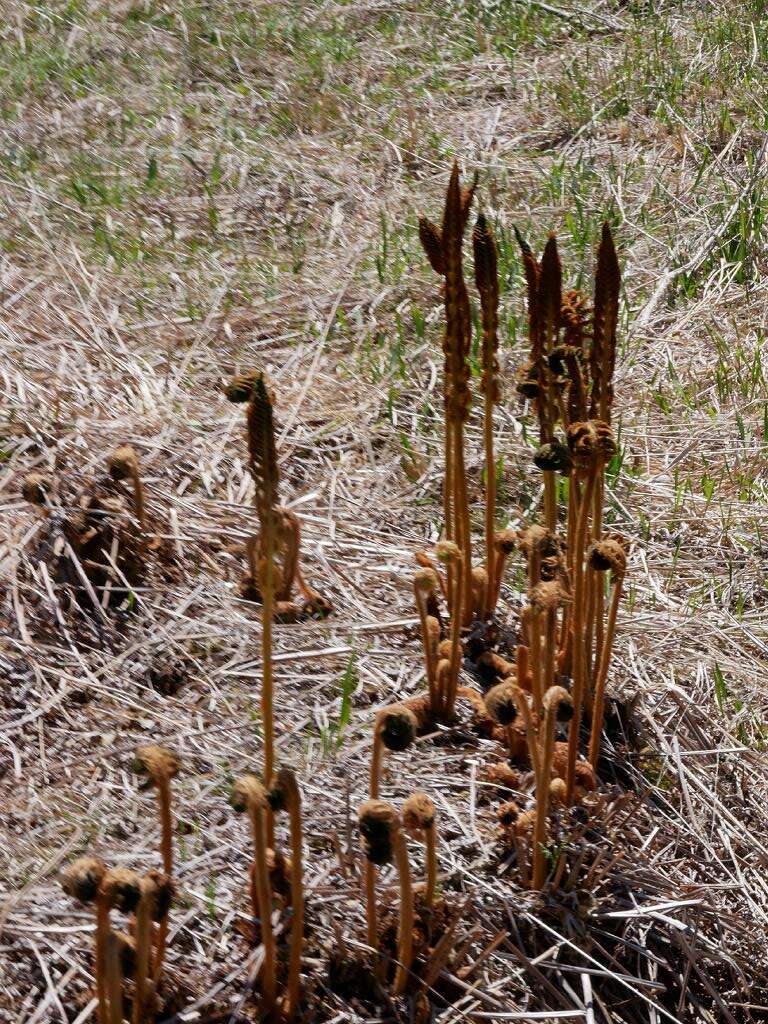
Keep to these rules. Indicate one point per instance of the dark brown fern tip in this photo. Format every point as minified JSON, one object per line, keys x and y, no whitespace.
{"x":537,"y":538}
{"x":282,"y":791}
{"x":527,"y":381}
{"x":467,"y":195}
{"x":546,"y":596}
{"x":524,"y":247}
{"x":556,"y":361}
{"x":378,"y":823}
{"x":573,"y":318}
{"x":35,"y":488}
{"x":500,"y":703}
{"x":122,"y":889}
{"x":431,"y":238}
{"x":602,"y":357}
{"x":155,"y":764}
{"x":486,"y":257}
{"x":82,"y":878}
{"x":240,"y":388}
{"x":123,"y":462}
{"x":397,"y":727}
{"x":553,"y":457}
{"x":261,"y":447}
{"x":247,"y":792}
{"x":608,"y":554}
{"x":551,"y":282}
{"x":164,"y":893}
{"x":558,"y":699}
{"x":590,"y":440}
{"x":507,"y":814}
{"x":505,"y":541}
{"x":418,"y":814}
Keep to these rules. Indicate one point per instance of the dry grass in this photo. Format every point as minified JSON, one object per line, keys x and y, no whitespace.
{"x":190,"y":190}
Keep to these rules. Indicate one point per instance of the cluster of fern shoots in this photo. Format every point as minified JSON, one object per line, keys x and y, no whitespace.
{"x":553,"y":679}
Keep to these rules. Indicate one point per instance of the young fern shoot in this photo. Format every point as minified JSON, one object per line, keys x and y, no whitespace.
{"x":248,"y":795}
{"x":419,"y":821}
{"x":123,"y":464}
{"x":284,"y":796}
{"x":157,"y":767}
{"x":381,"y":829}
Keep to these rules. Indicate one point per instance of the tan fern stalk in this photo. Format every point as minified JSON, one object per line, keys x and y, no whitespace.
{"x":487,"y":281}
{"x":82,"y":880}
{"x":557,"y":705}
{"x":406,"y":917}
{"x":119,"y":889}
{"x":419,"y":816}
{"x":448,"y":682}
{"x":158,"y":766}
{"x":425,"y":584}
{"x":504,"y":544}
{"x":394,"y":729}
{"x":144,"y":915}
{"x":382,"y":833}
{"x":591,"y":445}
{"x":606,"y":554}
{"x":250,"y":796}
{"x":577,"y":625}
{"x":285,"y":795}
{"x":262,"y":461}
{"x":114,"y":976}
{"x":375,"y":818}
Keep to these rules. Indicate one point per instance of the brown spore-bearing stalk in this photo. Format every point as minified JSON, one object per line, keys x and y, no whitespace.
{"x":487,"y":282}
{"x":419,"y":820}
{"x":249,"y":795}
{"x":456,"y":350}
{"x":558,"y":706}
{"x":602,"y":358}
{"x":262,"y":461}
{"x":157,"y":766}
{"x":605,"y":555}
{"x":123,"y":464}
{"x":443,"y":247}
{"x":284,"y":795}
{"x":550,"y":301}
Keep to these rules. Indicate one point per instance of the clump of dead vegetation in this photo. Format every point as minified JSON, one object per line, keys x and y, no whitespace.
{"x":95,"y":543}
